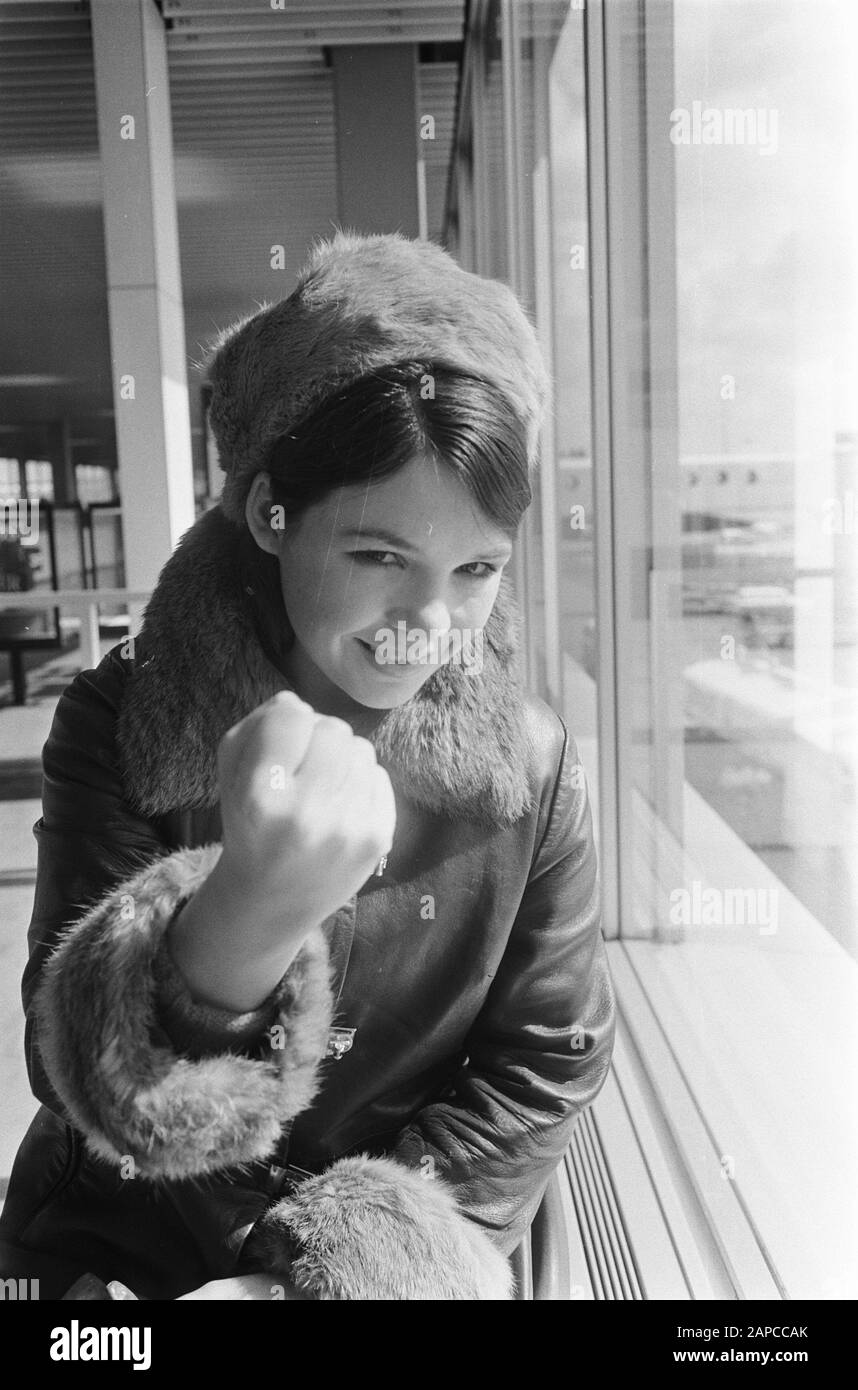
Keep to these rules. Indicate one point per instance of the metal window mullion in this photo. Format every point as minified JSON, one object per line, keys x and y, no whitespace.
{"x":513,"y":116}
{"x":665,"y":614}
{"x":543,"y":224}
{"x":480,"y":154}
{"x":632,"y":269}
{"x":625,"y":181}
{"x":612,"y":850}
{"x":462,"y":174}
{"x":512,"y":120}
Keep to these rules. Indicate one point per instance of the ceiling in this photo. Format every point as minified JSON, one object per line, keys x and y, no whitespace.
{"x":255,"y":164}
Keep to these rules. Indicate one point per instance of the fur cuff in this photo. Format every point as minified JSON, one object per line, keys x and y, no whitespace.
{"x":371,"y":1229}
{"x":133,"y":1097}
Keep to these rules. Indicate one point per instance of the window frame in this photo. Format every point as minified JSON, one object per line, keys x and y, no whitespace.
{"x":681,"y":1108}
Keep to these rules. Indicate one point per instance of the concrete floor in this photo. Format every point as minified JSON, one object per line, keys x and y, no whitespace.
{"x":17,"y":878}
{"x":23,"y":730}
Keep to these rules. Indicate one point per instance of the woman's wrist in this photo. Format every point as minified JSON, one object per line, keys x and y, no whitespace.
{"x":234,"y":940}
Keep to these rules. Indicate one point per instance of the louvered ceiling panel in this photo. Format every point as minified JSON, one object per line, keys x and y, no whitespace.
{"x":52,"y":281}
{"x":212,"y":24}
{"x":47,"y":81}
{"x":255,"y":166}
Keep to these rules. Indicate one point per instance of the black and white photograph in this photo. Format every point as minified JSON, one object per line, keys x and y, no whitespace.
{"x":429,"y":666}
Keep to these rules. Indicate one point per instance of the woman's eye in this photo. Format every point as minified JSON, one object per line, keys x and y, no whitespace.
{"x":375,"y":557}
{"x":477,"y":569}
{"x":482,"y":565}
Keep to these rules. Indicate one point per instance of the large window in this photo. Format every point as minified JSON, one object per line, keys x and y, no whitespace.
{"x":680,"y":201}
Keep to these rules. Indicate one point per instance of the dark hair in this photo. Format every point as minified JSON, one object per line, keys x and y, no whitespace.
{"x":374,"y":426}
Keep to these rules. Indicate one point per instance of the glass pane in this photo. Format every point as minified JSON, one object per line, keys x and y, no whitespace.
{"x":40,"y":479}
{"x":10,"y":477}
{"x":94,"y":483}
{"x":527,"y":277}
{"x":68,"y":541}
{"x":554,"y":234}
{"x":109,"y":571}
{"x":735,"y":198}
{"x":764,"y":130}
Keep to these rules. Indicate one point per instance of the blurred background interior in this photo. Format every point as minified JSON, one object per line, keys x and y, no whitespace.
{"x":688,"y":572}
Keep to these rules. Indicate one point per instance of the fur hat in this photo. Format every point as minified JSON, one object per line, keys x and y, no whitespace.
{"x":364,"y":302}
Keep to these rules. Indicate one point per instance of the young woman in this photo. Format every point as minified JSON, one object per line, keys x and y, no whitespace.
{"x":317,"y":988}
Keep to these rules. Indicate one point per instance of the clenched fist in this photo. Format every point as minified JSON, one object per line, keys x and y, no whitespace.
{"x":307,"y":811}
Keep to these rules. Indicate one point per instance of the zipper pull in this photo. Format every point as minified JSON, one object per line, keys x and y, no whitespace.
{"x":382,"y":865}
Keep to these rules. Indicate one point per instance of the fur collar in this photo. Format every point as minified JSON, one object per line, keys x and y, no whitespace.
{"x":207,"y":656}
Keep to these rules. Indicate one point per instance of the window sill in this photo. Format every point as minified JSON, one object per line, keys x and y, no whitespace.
{"x":723,"y":1121}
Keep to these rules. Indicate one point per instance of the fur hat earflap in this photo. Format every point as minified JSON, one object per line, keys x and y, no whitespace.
{"x":361,"y":303}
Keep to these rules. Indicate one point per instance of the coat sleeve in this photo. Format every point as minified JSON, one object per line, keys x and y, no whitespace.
{"x":539,"y":1051}
{"x":114,"y":1042}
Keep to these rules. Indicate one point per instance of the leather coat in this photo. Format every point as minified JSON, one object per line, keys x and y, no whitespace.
{"x":471,"y":969}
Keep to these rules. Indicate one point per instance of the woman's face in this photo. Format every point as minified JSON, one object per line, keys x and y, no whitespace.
{"x":382,"y":584}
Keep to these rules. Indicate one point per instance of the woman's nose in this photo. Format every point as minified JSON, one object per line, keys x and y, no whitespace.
{"x":427,"y":612}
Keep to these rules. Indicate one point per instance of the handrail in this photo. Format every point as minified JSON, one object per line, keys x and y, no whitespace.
{"x":86,"y":602}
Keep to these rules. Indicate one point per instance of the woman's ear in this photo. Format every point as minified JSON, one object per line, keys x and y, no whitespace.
{"x":262,"y":515}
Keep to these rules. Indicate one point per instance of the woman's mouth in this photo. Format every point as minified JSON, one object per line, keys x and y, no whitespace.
{"x":384,"y":668}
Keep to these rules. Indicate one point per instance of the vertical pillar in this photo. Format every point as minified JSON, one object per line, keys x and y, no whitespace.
{"x":377,"y":149}
{"x":147,"y":332}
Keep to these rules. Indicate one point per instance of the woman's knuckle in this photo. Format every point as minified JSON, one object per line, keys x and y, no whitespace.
{"x":363,"y":749}
{"x":334,"y":724}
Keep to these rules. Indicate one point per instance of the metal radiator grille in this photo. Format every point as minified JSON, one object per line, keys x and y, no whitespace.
{"x":609,"y":1260}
